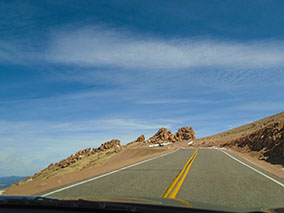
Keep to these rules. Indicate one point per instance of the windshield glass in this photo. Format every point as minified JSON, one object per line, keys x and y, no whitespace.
{"x":161,"y":102}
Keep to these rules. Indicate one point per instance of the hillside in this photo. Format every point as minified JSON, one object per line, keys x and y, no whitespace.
{"x":90,"y":162}
{"x":263,"y":139}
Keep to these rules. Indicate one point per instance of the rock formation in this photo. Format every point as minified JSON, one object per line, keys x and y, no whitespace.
{"x":108,"y":148}
{"x":185,"y":134}
{"x":137,"y":143}
{"x":140,"y":139}
{"x":110,"y":144}
{"x":164,"y":135}
{"x":268,"y":141}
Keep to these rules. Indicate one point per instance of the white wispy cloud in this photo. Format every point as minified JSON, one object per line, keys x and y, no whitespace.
{"x":12,"y":162}
{"x":175,"y":101}
{"x":114,"y":125}
{"x":97,"y":46}
{"x":18,"y":52}
{"x":10,"y":53}
{"x":262,"y":106}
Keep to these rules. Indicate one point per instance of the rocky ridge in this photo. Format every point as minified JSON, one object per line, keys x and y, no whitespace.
{"x":115,"y":144}
{"x":86,"y":158}
{"x":164,"y":135}
{"x":268,"y":141}
{"x":138,"y":142}
{"x":262,"y":139}
{"x":92,"y":157}
{"x":185,"y":134}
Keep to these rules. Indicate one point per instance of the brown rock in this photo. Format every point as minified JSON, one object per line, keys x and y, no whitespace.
{"x":185,"y":134}
{"x":172,"y":138}
{"x":69,"y":161}
{"x":117,"y":149}
{"x":140,"y":139}
{"x":51,"y":166}
{"x":268,"y":140}
{"x":94,"y":150}
{"x":163,"y":135}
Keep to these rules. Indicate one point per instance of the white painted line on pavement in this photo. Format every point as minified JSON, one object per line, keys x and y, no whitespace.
{"x":106,"y":174}
{"x":270,"y":178}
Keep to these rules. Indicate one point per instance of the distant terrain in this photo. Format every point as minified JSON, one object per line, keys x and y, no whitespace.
{"x":7,"y":181}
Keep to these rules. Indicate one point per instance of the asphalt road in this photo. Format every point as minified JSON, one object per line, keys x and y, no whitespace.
{"x":207,"y":175}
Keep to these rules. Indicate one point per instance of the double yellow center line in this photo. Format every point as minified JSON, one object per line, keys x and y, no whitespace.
{"x":178,"y":181}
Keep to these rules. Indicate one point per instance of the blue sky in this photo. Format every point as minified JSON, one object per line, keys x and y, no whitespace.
{"x":76,"y":74}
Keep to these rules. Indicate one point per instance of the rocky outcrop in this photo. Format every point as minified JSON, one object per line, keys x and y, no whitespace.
{"x":163,"y":135}
{"x":185,"y":134}
{"x":140,"y":139}
{"x":108,"y":147}
{"x":137,"y":143}
{"x":268,"y":141}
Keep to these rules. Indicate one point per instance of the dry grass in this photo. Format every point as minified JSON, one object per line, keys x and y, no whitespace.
{"x":91,"y":161}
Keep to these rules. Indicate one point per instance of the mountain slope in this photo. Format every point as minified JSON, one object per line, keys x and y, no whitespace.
{"x":90,"y":162}
{"x":264,"y":138}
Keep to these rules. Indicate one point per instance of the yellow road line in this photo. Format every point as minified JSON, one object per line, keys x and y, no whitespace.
{"x":177,"y":188}
{"x":169,"y":190}
{"x":165,"y":195}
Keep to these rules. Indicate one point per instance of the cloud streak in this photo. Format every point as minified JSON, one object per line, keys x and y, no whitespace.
{"x":96,"y":46}
{"x":262,"y":106}
{"x":155,"y":101}
{"x":19,"y":52}
{"x":48,"y":128}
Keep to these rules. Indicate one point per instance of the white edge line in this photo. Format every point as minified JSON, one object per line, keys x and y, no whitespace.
{"x":106,"y":174}
{"x":270,"y":178}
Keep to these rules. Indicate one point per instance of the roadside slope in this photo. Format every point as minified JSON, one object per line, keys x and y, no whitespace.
{"x":90,"y":162}
{"x":124,"y":158}
{"x":260,"y":142}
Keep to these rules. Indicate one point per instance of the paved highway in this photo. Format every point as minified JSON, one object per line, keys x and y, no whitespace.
{"x":205,"y":175}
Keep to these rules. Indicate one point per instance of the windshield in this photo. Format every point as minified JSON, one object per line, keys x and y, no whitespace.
{"x":175,"y":103}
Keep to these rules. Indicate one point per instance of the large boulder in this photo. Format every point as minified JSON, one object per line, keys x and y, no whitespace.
{"x":163,"y":135}
{"x":140,"y":139}
{"x":110,"y":144}
{"x":185,"y":134}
